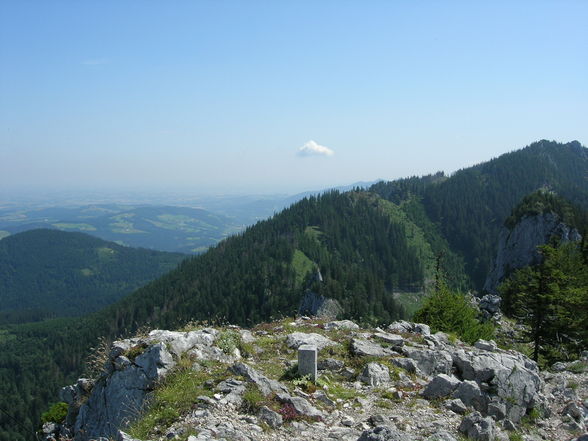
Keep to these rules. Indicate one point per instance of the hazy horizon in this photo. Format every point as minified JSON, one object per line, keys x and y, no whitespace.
{"x":277,"y":97}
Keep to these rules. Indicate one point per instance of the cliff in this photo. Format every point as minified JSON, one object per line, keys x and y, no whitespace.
{"x":397,"y":383}
{"x":517,"y":247}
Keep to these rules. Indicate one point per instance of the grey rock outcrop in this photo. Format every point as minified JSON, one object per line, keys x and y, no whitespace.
{"x":375,"y":374}
{"x":271,"y":418}
{"x":341,"y":324}
{"x":265,"y":385}
{"x":478,"y":428}
{"x":403,"y":326}
{"x":431,"y":362}
{"x":517,"y":248}
{"x":365,"y":348}
{"x":316,"y":305}
{"x":118,"y":398}
{"x":441,"y":386}
{"x":513,"y":377}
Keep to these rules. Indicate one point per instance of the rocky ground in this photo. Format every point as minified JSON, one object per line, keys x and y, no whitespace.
{"x":396,"y":384}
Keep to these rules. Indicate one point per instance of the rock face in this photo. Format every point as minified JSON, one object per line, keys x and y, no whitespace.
{"x":133,"y":369}
{"x":119,"y":397}
{"x":316,"y":305}
{"x":517,"y":248}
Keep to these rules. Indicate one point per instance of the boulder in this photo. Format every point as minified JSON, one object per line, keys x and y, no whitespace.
{"x":330,"y":364}
{"x":297,"y":339}
{"x":265,"y":385}
{"x":456,"y":406}
{"x":430,"y":362}
{"x":470,"y":394}
{"x":512,"y":377}
{"x":365,"y":348}
{"x":180,"y":342}
{"x":301,"y":405}
{"x":403,"y":326}
{"x":341,"y":324}
{"x":271,"y":418}
{"x":395,"y":340}
{"x":490,"y":303}
{"x":476,"y":427}
{"x":375,"y":374}
{"x":441,"y":386}
{"x":486,"y":345}
{"x":408,"y":364}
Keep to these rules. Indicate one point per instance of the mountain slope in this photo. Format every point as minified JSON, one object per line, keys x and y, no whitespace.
{"x":49,"y":273}
{"x":470,"y":206}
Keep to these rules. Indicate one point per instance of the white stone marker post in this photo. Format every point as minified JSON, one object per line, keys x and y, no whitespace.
{"x":307,"y":355}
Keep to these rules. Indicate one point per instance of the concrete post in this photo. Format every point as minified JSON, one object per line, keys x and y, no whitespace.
{"x":307,"y":356}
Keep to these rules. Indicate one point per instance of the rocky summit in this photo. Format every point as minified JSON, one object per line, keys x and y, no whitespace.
{"x":399,"y":383}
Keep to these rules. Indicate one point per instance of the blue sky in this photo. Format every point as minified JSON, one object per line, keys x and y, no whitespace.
{"x":220,"y":96}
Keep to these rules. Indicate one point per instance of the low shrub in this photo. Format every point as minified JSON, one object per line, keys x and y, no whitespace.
{"x":56,"y":413}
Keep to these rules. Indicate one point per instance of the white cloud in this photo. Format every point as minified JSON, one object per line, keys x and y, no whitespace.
{"x":95,"y":62}
{"x":311,"y":148}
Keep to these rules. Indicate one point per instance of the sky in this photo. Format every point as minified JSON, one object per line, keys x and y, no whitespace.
{"x":252,"y":96}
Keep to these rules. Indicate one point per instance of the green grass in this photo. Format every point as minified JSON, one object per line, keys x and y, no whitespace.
{"x":105,"y":254}
{"x":410,"y":300}
{"x":302,"y":266}
{"x":176,"y":396}
{"x":578,"y":367}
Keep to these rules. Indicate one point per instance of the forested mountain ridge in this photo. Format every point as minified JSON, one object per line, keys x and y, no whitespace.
{"x":470,"y":206}
{"x":49,"y":273}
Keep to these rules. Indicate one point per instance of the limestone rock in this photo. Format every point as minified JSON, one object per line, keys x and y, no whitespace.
{"x":297,"y":339}
{"x":486,"y":345}
{"x":395,"y":340}
{"x":456,"y":406}
{"x":375,"y":374}
{"x":471,"y":395}
{"x":366,"y":348}
{"x":316,"y":305}
{"x":271,"y":418}
{"x":431,"y":362}
{"x":120,"y":396}
{"x":408,"y":364}
{"x":341,"y":324}
{"x":265,"y":385}
{"x":441,"y":386}
{"x":301,"y":405}
{"x":330,"y":364}
{"x":514,"y":378}
{"x":518,"y":247}
{"x":476,"y":427}
{"x":403,"y":326}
